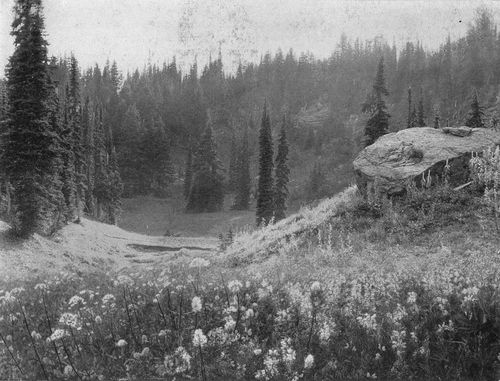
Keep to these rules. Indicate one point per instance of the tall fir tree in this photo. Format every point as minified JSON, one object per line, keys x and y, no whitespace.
{"x":188,"y":174}
{"x":410,"y":121}
{"x":207,"y":190}
{"x":476,"y":114}
{"x":243,"y":179}
{"x":420,"y":112}
{"x":68,"y":159}
{"x":30,"y":149}
{"x":101,"y":179}
{"x":76,"y":135}
{"x":233,"y":165}
{"x":282,"y":174}
{"x":265,"y":204}
{"x":378,"y":123}
{"x":115,"y":185}
{"x":88,"y":152}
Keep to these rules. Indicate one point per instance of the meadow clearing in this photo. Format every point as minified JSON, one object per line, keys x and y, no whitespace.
{"x":341,"y":291}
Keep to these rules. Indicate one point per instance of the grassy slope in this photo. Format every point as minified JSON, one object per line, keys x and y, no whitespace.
{"x":328,"y":240}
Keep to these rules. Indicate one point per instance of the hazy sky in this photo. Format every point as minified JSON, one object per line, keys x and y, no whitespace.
{"x":135,"y":31}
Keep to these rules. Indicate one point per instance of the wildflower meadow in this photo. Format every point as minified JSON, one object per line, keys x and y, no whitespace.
{"x":438,"y":325}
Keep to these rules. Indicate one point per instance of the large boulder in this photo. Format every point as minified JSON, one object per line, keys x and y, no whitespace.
{"x":388,"y":165}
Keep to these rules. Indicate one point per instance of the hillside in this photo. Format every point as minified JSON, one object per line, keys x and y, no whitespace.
{"x":92,"y":247}
{"x":434,"y":229}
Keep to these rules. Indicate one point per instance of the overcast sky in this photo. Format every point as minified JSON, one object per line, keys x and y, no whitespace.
{"x":134,"y":32}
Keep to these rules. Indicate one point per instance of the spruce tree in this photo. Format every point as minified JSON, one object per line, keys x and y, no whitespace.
{"x":378,"y":123}
{"x":282,"y":173}
{"x":420,"y":112}
{"x":265,"y":204}
{"x":188,"y":174}
{"x":101,"y":179}
{"x":414,"y":117}
{"x":410,"y":121}
{"x":475,"y":118}
{"x":76,"y":136}
{"x":233,"y":163}
{"x":115,"y":187}
{"x":88,"y":152}
{"x":207,"y":190}
{"x":30,"y":150}
{"x":68,"y":176}
{"x":436,"y":121}
{"x":243,"y":180}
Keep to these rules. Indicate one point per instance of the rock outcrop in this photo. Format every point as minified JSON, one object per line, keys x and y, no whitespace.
{"x":388,"y":165}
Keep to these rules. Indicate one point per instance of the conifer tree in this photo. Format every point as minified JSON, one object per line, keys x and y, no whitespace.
{"x":265,"y":204}
{"x":436,"y":121}
{"x":420,"y":112}
{"x":30,"y":150}
{"x":115,"y":187}
{"x":414,"y":117}
{"x":243,"y":180}
{"x":68,"y":176}
{"x":410,"y":121}
{"x":378,"y":123}
{"x":282,"y":173}
{"x":207,"y":190}
{"x":233,"y":170}
{"x":475,"y":118}
{"x":101,"y":180}
{"x":76,"y":135}
{"x":88,"y":152}
{"x":188,"y":174}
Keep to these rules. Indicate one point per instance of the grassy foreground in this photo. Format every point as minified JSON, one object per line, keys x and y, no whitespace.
{"x":344,"y":291}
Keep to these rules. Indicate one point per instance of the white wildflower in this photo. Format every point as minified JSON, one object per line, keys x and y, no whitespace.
{"x":76,"y":301}
{"x":199,"y":339}
{"x":58,"y":334}
{"x":121,"y":343}
{"x":40,"y":286}
{"x":70,"y":320}
{"x":316,"y":286}
{"x":108,"y":299}
{"x":235,"y":286}
{"x":308,"y":361}
{"x":249,"y":313}
{"x":196,"y":304}
{"x":68,"y":371}
{"x":412,"y":298}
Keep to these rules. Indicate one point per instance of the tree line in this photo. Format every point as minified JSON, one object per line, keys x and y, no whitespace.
{"x":57,"y":157}
{"x":106,"y":135}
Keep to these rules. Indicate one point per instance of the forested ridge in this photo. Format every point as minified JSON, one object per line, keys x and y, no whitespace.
{"x":139,"y":128}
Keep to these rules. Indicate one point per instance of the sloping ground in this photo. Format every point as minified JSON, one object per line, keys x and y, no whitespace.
{"x":93,"y":246}
{"x":292,"y":232}
{"x":336,"y":239}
